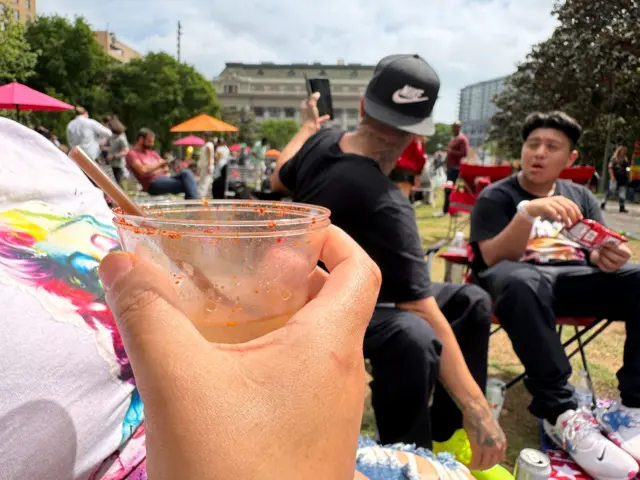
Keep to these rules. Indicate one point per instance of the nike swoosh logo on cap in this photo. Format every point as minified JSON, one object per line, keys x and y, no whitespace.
{"x":408,"y":94}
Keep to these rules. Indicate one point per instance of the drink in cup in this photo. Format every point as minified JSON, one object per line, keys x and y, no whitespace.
{"x":241,"y":269}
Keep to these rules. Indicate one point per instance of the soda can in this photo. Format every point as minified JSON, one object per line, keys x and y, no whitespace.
{"x":532,"y":465}
{"x":496,"y":392}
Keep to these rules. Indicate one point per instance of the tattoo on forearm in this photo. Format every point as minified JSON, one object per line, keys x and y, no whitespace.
{"x":479,"y":424}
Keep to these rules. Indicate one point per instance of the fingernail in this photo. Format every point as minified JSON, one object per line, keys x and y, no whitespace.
{"x":114,"y":266}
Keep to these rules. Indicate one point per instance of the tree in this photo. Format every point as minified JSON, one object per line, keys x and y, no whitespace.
{"x":245,"y":121}
{"x":439,"y":140}
{"x":158,"y":92}
{"x":588,"y":68}
{"x":279,"y":131}
{"x":72,"y":66}
{"x":17,"y":58}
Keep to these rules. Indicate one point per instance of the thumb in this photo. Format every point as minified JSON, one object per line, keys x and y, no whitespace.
{"x":147,"y":311}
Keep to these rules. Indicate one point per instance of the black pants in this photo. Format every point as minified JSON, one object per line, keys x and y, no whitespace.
{"x":452,"y":176}
{"x":220,"y":184}
{"x":118,"y":174}
{"x":405,"y":357}
{"x":527,"y":300}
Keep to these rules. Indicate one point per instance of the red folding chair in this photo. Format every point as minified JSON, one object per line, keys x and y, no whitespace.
{"x":579,"y":175}
{"x":585,"y":329}
{"x":473,"y":179}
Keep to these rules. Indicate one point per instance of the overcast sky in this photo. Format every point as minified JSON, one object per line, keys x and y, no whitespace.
{"x":466,"y":41}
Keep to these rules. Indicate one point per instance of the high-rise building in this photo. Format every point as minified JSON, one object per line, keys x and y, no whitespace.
{"x":477,"y":108}
{"x":116,"y":49}
{"x":276,"y":90}
{"x":24,"y":10}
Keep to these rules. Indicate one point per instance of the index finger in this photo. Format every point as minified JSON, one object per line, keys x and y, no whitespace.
{"x":344,"y":305}
{"x":575,"y":209}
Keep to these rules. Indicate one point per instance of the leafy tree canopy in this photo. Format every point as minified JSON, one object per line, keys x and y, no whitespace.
{"x":589,"y":67}
{"x":279,"y":131}
{"x":17,"y":57}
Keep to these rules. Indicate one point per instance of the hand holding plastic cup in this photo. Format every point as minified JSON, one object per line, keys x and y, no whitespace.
{"x":241,"y":269}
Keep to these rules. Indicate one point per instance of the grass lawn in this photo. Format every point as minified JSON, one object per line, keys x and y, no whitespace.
{"x":604,"y":353}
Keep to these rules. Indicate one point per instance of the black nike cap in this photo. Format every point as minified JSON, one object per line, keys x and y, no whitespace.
{"x":402,"y":94}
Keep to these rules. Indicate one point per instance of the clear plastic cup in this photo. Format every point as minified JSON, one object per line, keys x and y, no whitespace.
{"x":241,"y":268}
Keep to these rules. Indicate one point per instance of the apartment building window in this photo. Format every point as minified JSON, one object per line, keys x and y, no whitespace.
{"x":230,"y":89}
{"x":258,"y":111}
{"x":258,"y":88}
{"x":274,"y":112}
{"x":17,"y":14}
{"x":290,"y":112}
{"x":352,"y":113}
{"x":28,"y":4}
{"x":338,"y":113}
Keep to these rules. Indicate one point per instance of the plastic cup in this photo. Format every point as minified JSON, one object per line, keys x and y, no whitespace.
{"x":241,"y":268}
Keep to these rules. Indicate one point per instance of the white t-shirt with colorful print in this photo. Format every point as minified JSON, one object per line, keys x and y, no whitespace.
{"x":68,"y":404}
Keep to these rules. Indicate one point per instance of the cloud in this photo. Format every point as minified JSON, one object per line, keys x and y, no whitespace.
{"x":466,"y":41}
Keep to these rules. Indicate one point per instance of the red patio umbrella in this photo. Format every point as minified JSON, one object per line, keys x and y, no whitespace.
{"x":20,"y":97}
{"x":239,"y":146}
{"x":191,"y":140}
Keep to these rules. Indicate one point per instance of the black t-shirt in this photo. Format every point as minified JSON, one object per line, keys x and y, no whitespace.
{"x":497,"y":205}
{"x":366,"y":205}
{"x":619,"y":167}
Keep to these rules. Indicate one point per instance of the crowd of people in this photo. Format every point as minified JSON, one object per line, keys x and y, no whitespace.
{"x":252,"y":412}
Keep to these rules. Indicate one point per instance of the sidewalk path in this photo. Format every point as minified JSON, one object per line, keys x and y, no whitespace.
{"x":628,"y":223}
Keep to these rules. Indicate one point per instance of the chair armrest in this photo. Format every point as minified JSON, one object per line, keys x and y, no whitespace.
{"x":436,"y":247}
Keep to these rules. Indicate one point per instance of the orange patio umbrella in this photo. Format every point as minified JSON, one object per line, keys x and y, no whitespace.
{"x":204,"y":123}
{"x":273,"y":153}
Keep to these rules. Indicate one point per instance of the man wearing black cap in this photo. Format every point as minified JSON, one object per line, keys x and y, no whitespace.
{"x":409,"y":342}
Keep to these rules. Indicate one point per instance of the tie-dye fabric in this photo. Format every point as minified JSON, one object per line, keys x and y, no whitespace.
{"x":68,"y":404}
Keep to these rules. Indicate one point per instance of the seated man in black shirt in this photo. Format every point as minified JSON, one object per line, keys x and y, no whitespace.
{"x":420,"y":331}
{"x":534,"y":274}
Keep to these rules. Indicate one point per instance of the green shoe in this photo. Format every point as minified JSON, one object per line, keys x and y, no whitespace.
{"x":459,"y":446}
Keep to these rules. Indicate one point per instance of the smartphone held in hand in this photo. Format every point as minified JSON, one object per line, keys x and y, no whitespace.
{"x":323,"y":86}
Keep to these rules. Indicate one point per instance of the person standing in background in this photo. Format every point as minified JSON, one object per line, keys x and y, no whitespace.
{"x":220,"y":172}
{"x":618,"y":178}
{"x":117,"y":149}
{"x":86,"y":133}
{"x":260,"y":151}
{"x":409,"y":167}
{"x":206,"y":166}
{"x":457,"y":151}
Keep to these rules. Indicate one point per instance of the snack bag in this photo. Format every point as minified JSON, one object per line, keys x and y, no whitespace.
{"x":591,"y":235}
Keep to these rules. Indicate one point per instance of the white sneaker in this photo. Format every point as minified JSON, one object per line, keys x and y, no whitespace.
{"x":622,"y":425}
{"x":439,"y":214}
{"x":578,"y":434}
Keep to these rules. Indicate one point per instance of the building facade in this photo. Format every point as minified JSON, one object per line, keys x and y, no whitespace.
{"x":25,"y":10}
{"x":276,"y":90}
{"x":114,"y":48}
{"x":477,"y":108}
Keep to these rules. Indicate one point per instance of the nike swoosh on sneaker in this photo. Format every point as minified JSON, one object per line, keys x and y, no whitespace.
{"x":601,"y":456}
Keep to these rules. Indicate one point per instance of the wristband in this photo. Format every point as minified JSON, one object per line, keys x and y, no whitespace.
{"x":522,"y":210}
